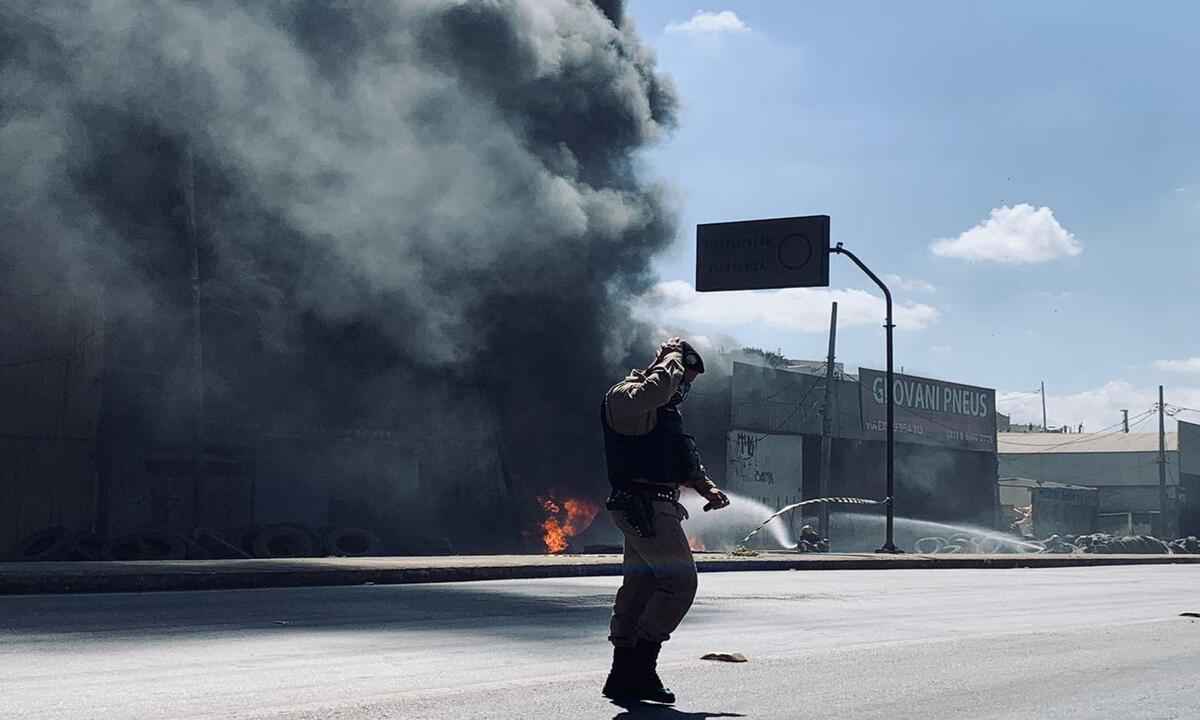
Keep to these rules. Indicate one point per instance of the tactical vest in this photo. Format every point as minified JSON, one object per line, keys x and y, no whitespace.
{"x":653,"y":457}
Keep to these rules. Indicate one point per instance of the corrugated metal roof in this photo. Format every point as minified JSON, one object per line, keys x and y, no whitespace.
{"x":1029,"y":483}
{"x":1060,"y":443}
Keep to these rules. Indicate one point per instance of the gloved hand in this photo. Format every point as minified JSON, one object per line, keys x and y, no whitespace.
{"x":716,"y":500}
{"x":673,"y":345}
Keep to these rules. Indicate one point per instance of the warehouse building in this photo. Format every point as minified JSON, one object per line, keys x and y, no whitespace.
{"x":760,"y":431}
{"x":1122,"y":467}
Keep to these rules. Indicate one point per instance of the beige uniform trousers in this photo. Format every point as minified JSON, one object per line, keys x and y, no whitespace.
{"x":660,"y":579}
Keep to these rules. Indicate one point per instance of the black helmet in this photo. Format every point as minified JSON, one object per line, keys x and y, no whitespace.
{"x":692,"y":359}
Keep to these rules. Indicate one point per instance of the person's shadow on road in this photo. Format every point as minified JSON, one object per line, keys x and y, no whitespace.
{"x":638,"y":711}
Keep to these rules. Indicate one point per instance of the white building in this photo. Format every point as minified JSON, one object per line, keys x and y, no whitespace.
{"x":1122,"y":466}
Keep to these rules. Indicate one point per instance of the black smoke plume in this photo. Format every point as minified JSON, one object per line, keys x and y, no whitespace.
{"x":417,"y":218}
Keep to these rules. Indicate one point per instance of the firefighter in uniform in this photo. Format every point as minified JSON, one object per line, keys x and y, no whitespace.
{"x":649,"y":458}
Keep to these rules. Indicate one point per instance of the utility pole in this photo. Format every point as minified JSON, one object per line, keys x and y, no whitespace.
{"x":1162,"y":466}
{"x":1045,"y":425}
{"x":197,"y":449}
{"x":1125,"y":420}
{"x":827,"y":428}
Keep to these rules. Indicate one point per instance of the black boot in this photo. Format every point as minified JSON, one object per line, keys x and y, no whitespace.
{"x":621,"y":683}
{"x":650,"y":686}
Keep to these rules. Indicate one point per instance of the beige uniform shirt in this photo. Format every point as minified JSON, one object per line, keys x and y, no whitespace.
{"x":632,"y":404}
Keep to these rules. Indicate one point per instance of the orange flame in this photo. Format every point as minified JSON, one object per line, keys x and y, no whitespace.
{"x":695,"y":544}
{"x":565,"y":520}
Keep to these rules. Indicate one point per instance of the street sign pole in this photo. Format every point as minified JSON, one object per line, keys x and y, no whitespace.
{"x":889,"y":545}
{"x":786,"y":253}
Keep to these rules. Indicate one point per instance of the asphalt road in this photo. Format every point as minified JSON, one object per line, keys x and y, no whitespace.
{"x":852,"y":645}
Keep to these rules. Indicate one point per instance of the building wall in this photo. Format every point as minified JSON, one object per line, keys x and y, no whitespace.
{"x":1091,"y":469}
{"x":934,"y":484}
{"x":1140,"y":498}
{"x":1189,"y":477}
{"x":761,"y":466}
{"x":50,"y":362}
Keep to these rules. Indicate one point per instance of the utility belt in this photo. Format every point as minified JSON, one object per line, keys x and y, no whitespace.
{"x":636,"y":504}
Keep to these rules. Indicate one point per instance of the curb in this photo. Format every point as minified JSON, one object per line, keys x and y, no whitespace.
{"x":162,"y":576}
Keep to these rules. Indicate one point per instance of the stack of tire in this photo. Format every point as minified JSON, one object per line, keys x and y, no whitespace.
{"x":284,"y":540}
{"x":1129,"y":545}
{"x":1186,"y":546}
{"x":59,"y":543}
{"x":281,"y":540}
{"x":1060,"y":545}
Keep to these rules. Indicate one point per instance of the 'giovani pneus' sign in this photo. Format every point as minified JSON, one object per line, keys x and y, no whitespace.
{"x":930,"y":411}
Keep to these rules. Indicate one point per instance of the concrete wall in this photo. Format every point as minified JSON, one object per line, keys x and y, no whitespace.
{"x":1189,"y":448}
{"x":1189,"y":477}
{"x":765,"y":466}
{"x":1142,"y":498}
{"x":935,"y":484}
{"x":1091,"y":469}
{"x":50,"y":362}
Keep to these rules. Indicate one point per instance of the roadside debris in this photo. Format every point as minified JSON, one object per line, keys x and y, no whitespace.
{"x":1094,"y":543}
{"x":726,"y":657}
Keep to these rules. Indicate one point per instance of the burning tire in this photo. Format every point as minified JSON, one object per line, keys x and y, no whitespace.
{"x":929,"y":545}
{"x":53,"y":543}
{"x":87,"y":546}
{"x":215,"y":546}
{"x":351,"y":542}
{"x":283,"y":541}
{"x":147,"y":545}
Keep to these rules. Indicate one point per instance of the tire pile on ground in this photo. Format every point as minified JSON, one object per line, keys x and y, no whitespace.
{"x":1095,"y":543}
{"x":1186,"y":546}
{"x":1129,"y":545}
{"x":282,"y":540}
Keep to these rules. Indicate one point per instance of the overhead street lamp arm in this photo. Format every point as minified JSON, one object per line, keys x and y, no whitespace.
{"x":887,"y":294}
{"x":889,"y":545}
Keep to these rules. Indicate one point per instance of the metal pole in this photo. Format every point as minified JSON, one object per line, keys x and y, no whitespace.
{"x":827,"y":428}
{"x":1162,"y":467}
{"x":1045,"y":426}
{"x":1125,"y":420}
{"x":197,"y":449}
{"x":889,"y":545}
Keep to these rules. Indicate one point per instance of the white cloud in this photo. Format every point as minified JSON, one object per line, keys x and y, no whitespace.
{"x":908,"y":284}
{"x":704,"y":22}
{"x":1190,"y":365}
{"x":1014,"y":235}
{"x":1099,"y":408}
{"x":795,"y":309}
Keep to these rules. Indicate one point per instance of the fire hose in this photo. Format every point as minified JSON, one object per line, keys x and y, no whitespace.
{"x":793,"y":506}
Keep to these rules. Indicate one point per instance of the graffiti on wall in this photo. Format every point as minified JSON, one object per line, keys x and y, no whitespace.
{"x":757,"y":460}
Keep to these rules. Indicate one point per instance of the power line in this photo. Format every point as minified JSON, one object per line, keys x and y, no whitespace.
{"x":1020,"y":395}
{"x":782,"y":391}
{"x":799,"y":407}
{"x":1100,"y":435}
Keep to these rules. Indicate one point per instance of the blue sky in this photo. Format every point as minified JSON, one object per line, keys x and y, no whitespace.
{"x":918,"y":122}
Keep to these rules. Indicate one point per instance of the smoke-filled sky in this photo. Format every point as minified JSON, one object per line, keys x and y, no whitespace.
{"x":421,"y":213}
{"x":462,"y":184}
{"x":1026,"y":172}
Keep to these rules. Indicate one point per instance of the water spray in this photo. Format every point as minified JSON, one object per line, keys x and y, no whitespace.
{"x":814,"y":501}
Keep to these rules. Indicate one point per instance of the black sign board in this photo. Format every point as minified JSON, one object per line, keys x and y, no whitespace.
{"x":763,"y":254}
